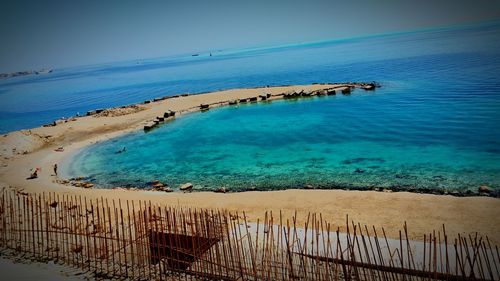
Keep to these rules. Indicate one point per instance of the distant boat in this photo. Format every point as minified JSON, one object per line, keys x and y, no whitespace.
{"x":195,"y":55}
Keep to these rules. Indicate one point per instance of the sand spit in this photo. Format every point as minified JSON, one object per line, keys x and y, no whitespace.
{"x":24,"y":150}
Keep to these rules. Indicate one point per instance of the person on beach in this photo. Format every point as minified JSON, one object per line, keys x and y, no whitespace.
{"x":55,"y":170}
{"x":34,"y":174}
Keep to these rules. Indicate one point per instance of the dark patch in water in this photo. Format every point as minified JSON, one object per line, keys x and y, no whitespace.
{"x":439,"y":178}
{"x":404,"y":176}
{"x":362,"y":159}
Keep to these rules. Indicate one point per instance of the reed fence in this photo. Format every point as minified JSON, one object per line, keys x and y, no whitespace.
{"x":138,"y":240}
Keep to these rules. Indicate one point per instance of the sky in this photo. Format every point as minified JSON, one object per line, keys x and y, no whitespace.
{"x":64,"y":33}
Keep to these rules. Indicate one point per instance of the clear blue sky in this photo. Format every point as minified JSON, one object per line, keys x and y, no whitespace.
{"x":37,"y":34}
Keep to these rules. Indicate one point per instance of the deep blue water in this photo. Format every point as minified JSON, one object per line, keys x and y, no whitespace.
{"x":435,"y":123}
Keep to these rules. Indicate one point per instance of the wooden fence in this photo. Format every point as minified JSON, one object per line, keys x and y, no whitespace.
{"x":137,"y":240}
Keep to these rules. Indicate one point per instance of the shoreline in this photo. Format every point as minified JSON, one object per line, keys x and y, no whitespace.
{"x":423,"y":212}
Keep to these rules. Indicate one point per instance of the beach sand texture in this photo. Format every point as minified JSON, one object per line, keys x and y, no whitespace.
{"x":23,"y":150}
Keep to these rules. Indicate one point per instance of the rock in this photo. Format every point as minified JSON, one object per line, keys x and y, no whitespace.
{"x":221,"y":190}
{"x":186,"y":186}
{"x":204,"y":106}
{"x":168,"y":113}
{"x":484,"y":189}
{"x":346,"y":91}
{"x":147,"y":101}
{"x":88,"y":185}
{"x":158,"y":185}
{"x":243,"y":100}
{"x":263,"y":97}
{"x":386,"y":190}
{"x":331,"y":92}
{"x":53,"y":204}
{"x":252,"y":188}
{"x":305,"y":94}
{"x":252,"y":99}
{"x":149,"y":126}
{"x":233,"y":102}
{"x":369,"y":87}
{"x":161,"y":119}
{"x":308,"y":186}
{"x":359,"y":171}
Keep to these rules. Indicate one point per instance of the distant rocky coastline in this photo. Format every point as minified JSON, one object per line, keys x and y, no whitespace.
{"x":25,"y":73}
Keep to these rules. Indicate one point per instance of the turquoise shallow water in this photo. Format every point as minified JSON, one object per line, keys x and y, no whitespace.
{"x":287,"y":144}
{"x":434,"y":124}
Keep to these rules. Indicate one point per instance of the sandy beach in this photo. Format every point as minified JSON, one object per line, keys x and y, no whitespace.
{"x":23,"y":150}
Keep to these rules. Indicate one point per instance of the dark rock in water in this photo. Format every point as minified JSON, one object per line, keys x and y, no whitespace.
{"x":253,"y":99}
{"x":204,"y":106}
{"x":484,"y":189}
{"x":346,"y":91}
{"x":243,"y":100}
{"x":233,"y":102}
{"x":359,"y":171}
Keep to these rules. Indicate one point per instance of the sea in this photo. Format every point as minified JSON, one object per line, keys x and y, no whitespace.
{"x":432,"y":126}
